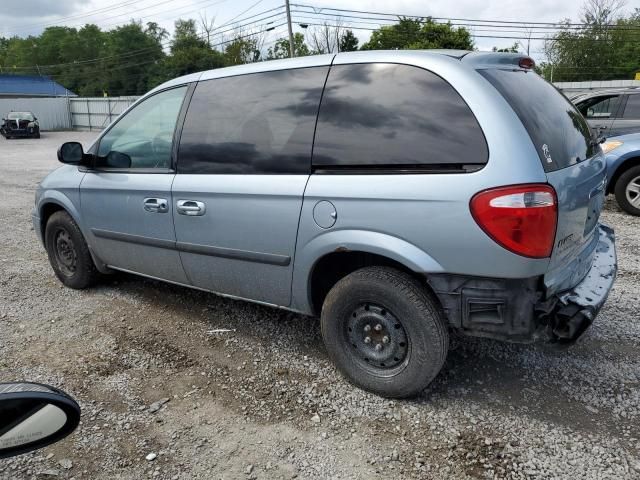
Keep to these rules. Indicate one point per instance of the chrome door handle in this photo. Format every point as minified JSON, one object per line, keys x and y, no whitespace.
{"x":156,"y":205}
{"x":191,"y":208}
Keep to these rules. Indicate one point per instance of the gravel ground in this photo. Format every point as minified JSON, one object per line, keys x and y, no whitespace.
{"x":263,"y":402}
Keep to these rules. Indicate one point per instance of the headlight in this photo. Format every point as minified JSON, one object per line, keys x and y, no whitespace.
{"x":611,"y":145}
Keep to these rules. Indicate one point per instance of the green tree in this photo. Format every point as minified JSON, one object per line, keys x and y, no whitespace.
{"x":411,"y":33}
{"x":606,"y":48}
{"x":348,"y":42}
{"x":241,"y":50}
{"x":189,"y":52}
{"x":512,"y":49}
{"x":281,"y":48}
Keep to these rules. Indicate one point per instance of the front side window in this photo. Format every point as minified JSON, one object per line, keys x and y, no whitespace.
{"x":144,"y":134}
{"x":252,"y":124}
{"x":632,"y":110}
{"x":389,"y":115}
{"x":600,"y":107}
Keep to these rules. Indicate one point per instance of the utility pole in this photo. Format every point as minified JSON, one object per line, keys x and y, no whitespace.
{"x":291,"y":52}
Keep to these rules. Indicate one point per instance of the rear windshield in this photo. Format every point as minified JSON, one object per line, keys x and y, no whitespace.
{"x":559,"y":132}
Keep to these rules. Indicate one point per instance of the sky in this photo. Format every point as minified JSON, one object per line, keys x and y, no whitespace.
{"x":37,"y":14}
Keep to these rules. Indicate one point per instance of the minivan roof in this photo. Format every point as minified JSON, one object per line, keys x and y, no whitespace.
{"x":476,"y":59}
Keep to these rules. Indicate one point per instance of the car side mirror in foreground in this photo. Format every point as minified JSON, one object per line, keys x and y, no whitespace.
{"x":71,"y":153}
{"x":33,"y":416}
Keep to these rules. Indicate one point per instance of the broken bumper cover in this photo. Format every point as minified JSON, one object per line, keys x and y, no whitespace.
{"x":516,"y":310}
{"x":570,"y":313}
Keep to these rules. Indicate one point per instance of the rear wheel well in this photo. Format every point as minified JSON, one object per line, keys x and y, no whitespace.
{"x":47,"y":210}
{"x":626,"y":165}
{"x":336,"y":265}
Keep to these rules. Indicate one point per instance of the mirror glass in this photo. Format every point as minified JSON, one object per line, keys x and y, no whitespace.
{"x":71,"y":152}
{"x":33,"y":416}
{"x":26,"y":421}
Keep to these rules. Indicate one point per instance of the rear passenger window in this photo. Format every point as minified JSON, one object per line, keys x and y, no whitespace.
{"x":632,"y":110}
{"x":252,"y":124}
{"x":388,"y":115}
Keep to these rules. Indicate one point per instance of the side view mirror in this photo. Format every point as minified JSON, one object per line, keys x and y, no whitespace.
{"x":590,"y":112}
{"x":71,"y":153}
{"x":33,"y":416}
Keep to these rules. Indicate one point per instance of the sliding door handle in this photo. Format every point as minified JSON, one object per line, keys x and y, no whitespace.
{"x":191,"y":208}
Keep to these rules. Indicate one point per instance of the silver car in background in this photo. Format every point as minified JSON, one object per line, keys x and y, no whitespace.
{"x":397,"y":195}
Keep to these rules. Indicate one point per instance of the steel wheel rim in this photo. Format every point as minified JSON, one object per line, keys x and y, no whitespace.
{"x":632,"y":192}
{"x":65,"y":252}
{"x":377,"y":340}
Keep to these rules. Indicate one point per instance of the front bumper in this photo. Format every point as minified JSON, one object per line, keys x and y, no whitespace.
{"x":19,"y":133}
{"x":518,"y":310}
{"x":568,"y":314}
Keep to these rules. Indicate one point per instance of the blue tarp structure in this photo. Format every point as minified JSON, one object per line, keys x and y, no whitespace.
{"x":31,"y":86}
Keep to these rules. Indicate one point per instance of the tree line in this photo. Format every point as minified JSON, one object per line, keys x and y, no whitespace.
{"x":131,"y":59}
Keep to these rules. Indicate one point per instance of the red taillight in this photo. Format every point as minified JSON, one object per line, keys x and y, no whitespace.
{"x":521,"y":218}
{"x":527,"y":62}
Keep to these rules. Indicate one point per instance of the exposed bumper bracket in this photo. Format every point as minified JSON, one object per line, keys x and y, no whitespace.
{"x":573,"y":311}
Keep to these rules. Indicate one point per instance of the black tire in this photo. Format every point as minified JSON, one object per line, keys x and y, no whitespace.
{"x":379,"y":303}
{"x":69,"y":253}
{"x":631,"y":176}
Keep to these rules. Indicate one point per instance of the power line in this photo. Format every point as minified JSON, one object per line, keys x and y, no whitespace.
{"x":86,"y":14}
{"x":399,"y":15}
{"x":166,"y":43}
{"x":511,"y":37}
{"x":454,"y":22}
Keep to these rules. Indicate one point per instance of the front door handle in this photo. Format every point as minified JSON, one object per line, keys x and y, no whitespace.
{"x":156,"y":205}
{"x":191,"y":208}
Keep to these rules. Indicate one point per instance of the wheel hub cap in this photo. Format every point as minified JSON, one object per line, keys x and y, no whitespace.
{"x":377,"y":336}
{"x":633,"y":192}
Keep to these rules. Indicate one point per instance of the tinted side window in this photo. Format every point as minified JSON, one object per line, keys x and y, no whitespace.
{"x":256,"y":123}
{"x":394,"y":115}
{"x":632,"y":110}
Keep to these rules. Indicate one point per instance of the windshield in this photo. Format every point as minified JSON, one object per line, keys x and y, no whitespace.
{"x":20,"y":116}
{"x":559,"y":132}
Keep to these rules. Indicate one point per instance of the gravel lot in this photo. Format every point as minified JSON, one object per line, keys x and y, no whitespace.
{"x":263,"y":401}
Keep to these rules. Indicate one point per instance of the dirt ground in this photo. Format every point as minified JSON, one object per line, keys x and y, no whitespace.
{"x":263,"y":402}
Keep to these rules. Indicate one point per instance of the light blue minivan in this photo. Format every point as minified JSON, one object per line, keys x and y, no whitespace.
{"x":397,"y":195}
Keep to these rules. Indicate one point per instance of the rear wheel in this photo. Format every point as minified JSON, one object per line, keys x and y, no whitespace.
{"x":627,"y":191}
{"x":68,"y":252}
{"x":384,"y":332}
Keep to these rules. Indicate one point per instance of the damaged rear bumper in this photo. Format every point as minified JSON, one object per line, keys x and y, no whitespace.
{"x":518,"y":310}
{"x":567,"y":315}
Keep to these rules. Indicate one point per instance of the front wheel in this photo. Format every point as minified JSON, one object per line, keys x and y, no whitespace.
{"x":384,"y":332}
{"x":68,"y":252}
{"x":627,"y":190}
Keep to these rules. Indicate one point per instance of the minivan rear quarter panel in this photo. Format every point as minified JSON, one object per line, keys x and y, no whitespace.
{"x":427,"y":210}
